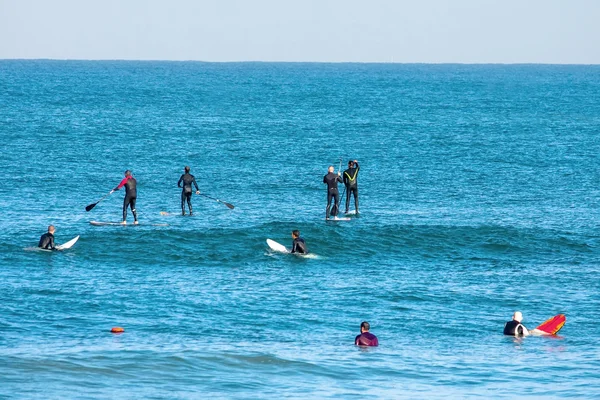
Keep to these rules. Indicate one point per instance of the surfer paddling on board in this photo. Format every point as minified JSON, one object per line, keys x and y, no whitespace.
{"x":514,"y":327}
{"x":47,"y":239}
{"x":130,"y":196}
{"x":298,"y":245}
{"x":366,"y":338}
{"x":331,"y":179}
{"x":351,"y":182}
{"x":186,"y":194}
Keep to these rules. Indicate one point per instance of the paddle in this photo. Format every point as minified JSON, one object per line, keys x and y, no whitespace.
{"x":230,"y":206}
{"x":340,"y":198}
{"x":89,"y":207}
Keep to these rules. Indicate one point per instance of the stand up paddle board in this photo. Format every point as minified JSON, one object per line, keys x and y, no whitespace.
{"x":550,"y":326}
{"x":99,"y":223}
{"x":351,"y":212}
{"x":279,"y":248}
{"x":59,"y":247}
{"x":336,"y":219}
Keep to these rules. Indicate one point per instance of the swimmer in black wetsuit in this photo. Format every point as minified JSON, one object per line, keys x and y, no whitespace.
{"x":351,"y":182}
{"x":331,"y":179}
{"x":514,"y":327}
{"x":186,"y":193}
{"x":298,"y":245}
{"x":130,"y":196}
{"x":47,"y":239}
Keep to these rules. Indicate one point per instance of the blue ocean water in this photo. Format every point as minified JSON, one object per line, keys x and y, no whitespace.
{"x":479,"y":196}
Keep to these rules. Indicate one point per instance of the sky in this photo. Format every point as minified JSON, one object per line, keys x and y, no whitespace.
{"x":401,"y":31}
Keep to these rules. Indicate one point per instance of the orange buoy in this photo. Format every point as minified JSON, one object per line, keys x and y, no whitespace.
{"x":117,"y":329}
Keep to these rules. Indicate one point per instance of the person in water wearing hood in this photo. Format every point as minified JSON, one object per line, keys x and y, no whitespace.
{"x":298,"y":245}
{"x":514,"y":327}
{"x":186,"y":194}
{"x":351,"y":182}
{"x":47,"y":239}
{"x":366,"y":338}
{"x":331,"y":179}
{"x":130,"y":196}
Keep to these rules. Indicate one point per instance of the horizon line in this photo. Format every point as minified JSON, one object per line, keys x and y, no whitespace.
{"x":292,"y":62}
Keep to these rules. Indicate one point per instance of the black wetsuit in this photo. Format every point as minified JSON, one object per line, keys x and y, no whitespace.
{"x":332,"y":180}
{"x":186,"y":193}
{"x":130,"y":195}
{"x":299,"y":246}
{"x":47,"y":241}
{"x":351,"y":182}
{"x":513,"y":328}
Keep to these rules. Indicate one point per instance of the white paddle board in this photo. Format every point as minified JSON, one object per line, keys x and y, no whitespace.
{"x":100,"y":223}
{"x":336,"y":219}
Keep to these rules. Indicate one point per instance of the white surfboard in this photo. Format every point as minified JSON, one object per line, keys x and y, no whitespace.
{"x":337,"y":219}
{"x":277,"y":246}
{"x":68,"y":244}
{"x":351,"y":212}
{"x":100,"y":223}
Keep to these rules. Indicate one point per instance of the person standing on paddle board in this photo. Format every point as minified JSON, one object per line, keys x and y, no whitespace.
{"x":366,"y":338}
{"x":130,"y":196}
{"x":298,"y":245}
{"x":331,"y":179}
{"x":186,"y":194}
{"x":514,"y":327}
{"x":47,"y":239}
{"x":351,"y":182}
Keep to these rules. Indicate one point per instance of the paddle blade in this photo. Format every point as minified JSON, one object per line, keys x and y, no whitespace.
{"x":89,"y":207}
{"x":231,"y":207}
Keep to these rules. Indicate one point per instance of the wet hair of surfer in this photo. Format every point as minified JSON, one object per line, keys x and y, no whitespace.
{"x":295,"y":233}
{"x":128,"y":173}
{"x":364,"y":327}
{"x":186,"y":169}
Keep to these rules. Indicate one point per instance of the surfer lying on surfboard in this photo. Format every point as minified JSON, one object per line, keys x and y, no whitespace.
{"x":47,"y":239}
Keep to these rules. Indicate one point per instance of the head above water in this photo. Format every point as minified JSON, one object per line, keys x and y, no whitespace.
{"x":186,"y":169}
{"x":364,"y":327}
{"x":351,"y":163}
{"x":517,"y":316}
{"x":331,"y":168}
{"x":295,"y":233}
{"x":51,"y":229}
{"x":128,"y":173}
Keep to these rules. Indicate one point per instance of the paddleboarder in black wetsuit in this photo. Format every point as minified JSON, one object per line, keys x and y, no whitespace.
{"x":332,"y":180}
{"x":130,"y":196}
{"x":351,"y":182}
{"x":298,"y":245}
{"x":47,"y":239}
{"x":186,"y":194}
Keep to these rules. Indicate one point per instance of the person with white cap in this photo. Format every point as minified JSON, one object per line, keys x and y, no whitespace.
{"x":514,"y":327}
